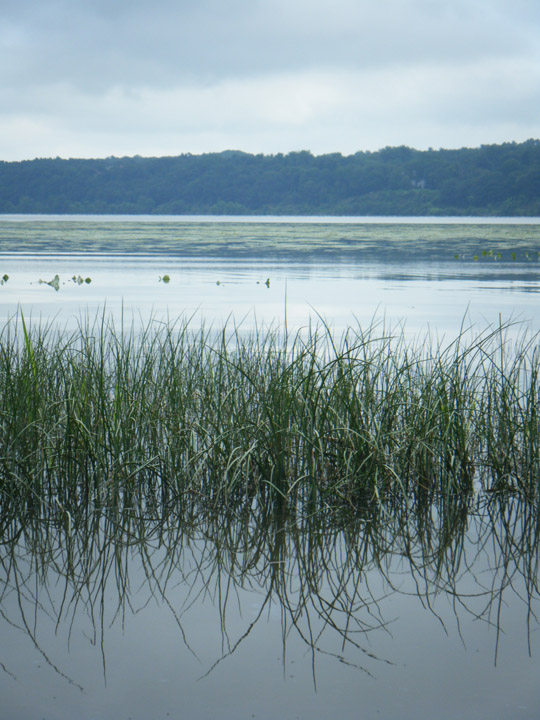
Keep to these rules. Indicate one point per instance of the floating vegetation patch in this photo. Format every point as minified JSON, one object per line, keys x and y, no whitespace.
{"x":79,"y":280}
{"x":525,"y":256}
{"x":4,"y":279}
{"x":54,"y":283}
{"x":372,"y":242}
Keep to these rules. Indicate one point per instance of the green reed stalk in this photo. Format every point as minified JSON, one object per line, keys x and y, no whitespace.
{"x":137,"y":417}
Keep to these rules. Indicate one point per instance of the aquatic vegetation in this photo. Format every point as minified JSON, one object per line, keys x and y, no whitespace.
{"x":375,"y":242}
{"x":496,"y":255}
{"x":165,"y":279}
{"x":79,"y":280}
{"x":54,"y":283}
{"x":318,"y":474}
{"x":4,"y":279}
{"x":309,"y":421}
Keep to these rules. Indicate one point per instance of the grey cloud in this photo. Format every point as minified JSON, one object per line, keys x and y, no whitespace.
{"x":101,"y":43}
{"x":99,"y":77}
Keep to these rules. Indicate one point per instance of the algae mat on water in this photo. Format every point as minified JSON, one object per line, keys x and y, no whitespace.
{"x":368,"y":242}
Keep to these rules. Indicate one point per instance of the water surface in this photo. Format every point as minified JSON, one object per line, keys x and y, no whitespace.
{"x":274,"y":618}
{"x":174,"y":612}
{"x":421,"y":274}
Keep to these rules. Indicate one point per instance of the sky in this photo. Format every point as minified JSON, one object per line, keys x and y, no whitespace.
{"x":95,"y":78}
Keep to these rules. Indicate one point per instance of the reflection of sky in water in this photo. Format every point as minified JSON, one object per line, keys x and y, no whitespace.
{"x":422,"y":662}
{"x":434,"y":295}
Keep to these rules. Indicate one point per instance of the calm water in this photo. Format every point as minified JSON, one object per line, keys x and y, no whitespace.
{"x":420,"y":274}
{"x":389,"y":619}
{"x":268,"y":619}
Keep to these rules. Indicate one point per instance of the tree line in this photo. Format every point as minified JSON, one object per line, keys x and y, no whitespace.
{"x":490,"y":180}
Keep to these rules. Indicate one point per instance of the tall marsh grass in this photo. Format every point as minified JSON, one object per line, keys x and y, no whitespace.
{"x":114,"y":416}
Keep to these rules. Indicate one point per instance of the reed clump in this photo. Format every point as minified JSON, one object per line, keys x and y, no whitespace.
{"x":115,"y":416}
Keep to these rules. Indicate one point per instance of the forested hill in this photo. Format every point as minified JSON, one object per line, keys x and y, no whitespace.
{"x":490,"y":180}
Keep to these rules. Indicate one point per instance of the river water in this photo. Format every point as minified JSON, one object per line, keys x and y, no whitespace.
{"x":230,"y":620}
{"x":394,"y":618}
{"x":421,"y":274}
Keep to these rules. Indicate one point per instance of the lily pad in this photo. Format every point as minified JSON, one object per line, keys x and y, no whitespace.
{"x":54,"y":283}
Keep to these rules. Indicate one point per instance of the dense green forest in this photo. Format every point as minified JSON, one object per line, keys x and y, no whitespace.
{"x":490,"y":180}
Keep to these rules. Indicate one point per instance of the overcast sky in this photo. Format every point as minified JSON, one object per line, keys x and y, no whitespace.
{"x":92,"y":78}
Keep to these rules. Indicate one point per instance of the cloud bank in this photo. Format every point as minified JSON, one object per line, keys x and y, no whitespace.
{"x":110,"y":77}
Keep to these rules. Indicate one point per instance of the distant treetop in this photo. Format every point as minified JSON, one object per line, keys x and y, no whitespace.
{"x":489,"y":180}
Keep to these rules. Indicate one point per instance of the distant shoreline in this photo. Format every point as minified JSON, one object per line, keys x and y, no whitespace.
{"x":276,"y":219}
{"x":490,"y":181}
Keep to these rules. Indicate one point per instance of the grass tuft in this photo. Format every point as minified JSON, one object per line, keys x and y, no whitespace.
{"x":124,"y":417}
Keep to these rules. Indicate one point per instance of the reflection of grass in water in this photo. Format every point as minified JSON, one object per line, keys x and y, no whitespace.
{"x":329,"y":573}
